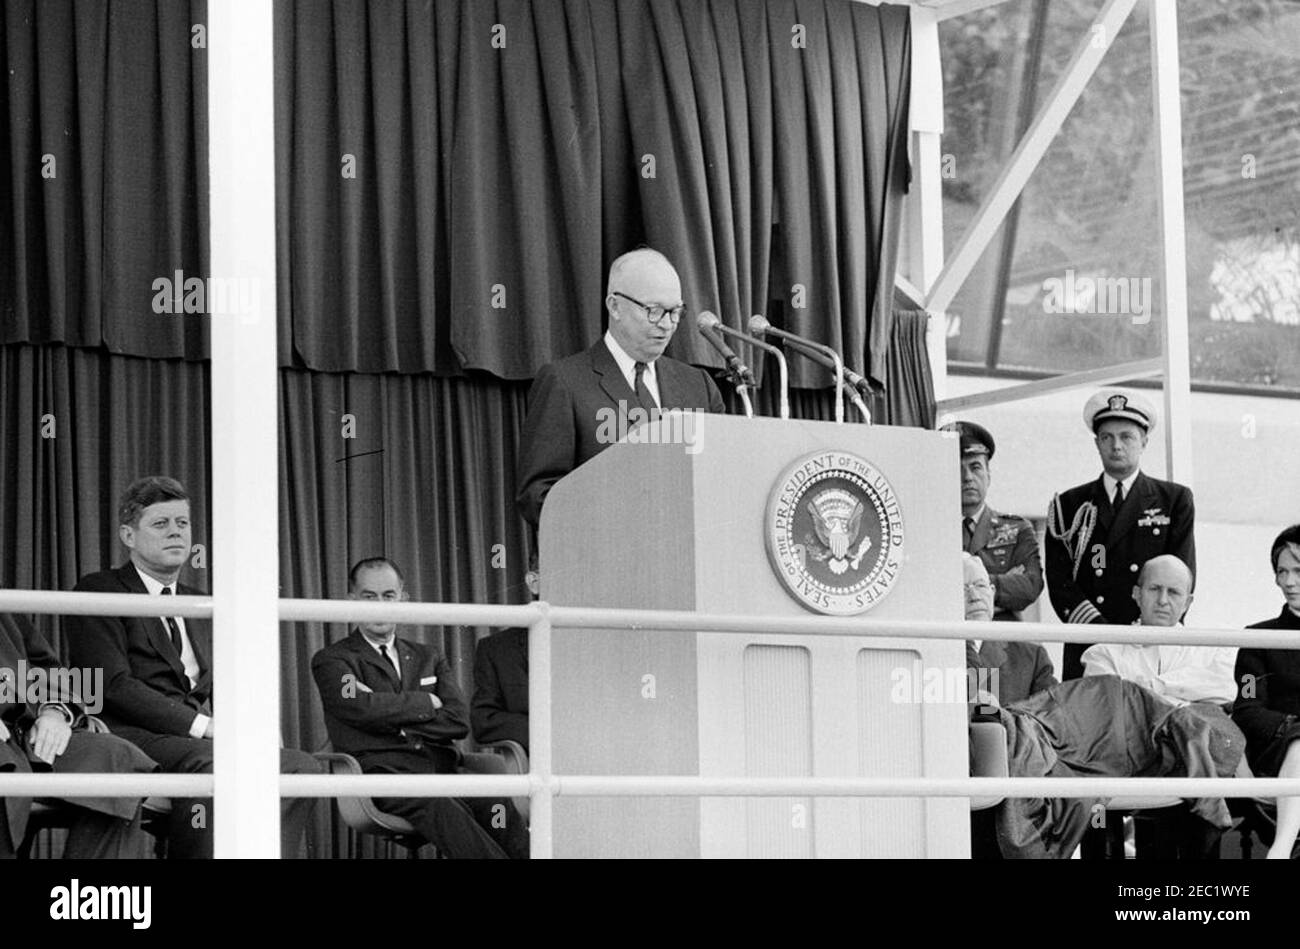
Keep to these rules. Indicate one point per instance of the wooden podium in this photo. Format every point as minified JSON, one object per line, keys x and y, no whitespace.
{"x":679,"y":521}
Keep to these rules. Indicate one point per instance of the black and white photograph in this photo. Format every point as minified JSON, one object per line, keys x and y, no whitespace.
{"x":573,"y":431}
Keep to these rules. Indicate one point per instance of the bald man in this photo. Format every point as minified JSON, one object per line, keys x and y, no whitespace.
{"x":1178,"y":674}
{"x":625,"y":375}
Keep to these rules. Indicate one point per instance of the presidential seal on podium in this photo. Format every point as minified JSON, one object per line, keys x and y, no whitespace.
{"x":834,"y":533}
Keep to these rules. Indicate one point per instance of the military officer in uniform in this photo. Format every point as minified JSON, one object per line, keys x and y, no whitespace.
{"x":1004,"y":542}
{"x":1099,"y":534}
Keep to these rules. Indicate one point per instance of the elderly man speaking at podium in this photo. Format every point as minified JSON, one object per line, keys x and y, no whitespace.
{"x":625,"y":373}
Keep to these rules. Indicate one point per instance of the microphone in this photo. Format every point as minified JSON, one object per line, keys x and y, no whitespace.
{"x":783,"y":371}
{"x":708,"y":325}
{"x":825,"y":356}
{"x":758,"y":325}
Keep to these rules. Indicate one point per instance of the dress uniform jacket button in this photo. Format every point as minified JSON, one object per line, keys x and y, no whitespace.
{"x":1101,"y":599}
{"x":1099,"y":573}
{"x":1132,"y":568}
{"x":1155,"y":530}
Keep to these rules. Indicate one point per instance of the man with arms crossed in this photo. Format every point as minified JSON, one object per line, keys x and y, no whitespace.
{"x":392,"y":703}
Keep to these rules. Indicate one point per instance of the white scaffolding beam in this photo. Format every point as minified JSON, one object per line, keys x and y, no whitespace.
{"x":1173,"y":239}
{"x":245,"y":542}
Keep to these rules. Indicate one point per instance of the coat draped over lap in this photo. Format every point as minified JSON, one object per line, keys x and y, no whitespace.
{"x":1103,"y":726}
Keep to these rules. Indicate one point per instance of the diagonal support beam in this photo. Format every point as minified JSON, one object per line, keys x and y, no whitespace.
{"x":908,"y":289}
{"x":947,"y":9}
{"x":1106,"y":375}
{"x":1029,"y":152}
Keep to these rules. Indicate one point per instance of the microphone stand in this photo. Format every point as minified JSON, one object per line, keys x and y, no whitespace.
{"x":846,"y":382}
{"x":850,"y":391}
{"x":782,"y":369}
{"x":742,"y":390}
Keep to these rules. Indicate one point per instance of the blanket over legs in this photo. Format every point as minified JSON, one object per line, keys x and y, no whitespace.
{"x":1105,"y":726}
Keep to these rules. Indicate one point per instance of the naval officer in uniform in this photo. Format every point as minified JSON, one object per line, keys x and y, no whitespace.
{"x":1100,"y":533}
{"x":1004,"y":542}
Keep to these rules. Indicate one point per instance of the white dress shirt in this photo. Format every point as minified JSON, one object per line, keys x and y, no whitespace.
{"x":627,"y":365}
{"x":1178,"y":674}
{"x":1109,"y":483}
{"x":391,"y":643}
{"x":188,"y":659}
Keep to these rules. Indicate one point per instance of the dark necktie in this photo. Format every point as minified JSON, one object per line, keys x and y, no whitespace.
{"x":968,"y":524}
{"x":173,"y":628}
{"x":383,"y":651}
{"x":642,"y":390}
{"x":1119,"y":495}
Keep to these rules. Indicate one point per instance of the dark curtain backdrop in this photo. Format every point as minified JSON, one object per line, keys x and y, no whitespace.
{"x":103,"y":165}
{"x":426,"y":174}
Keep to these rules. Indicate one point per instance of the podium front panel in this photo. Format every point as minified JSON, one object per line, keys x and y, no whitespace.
{"x":670,"y":526}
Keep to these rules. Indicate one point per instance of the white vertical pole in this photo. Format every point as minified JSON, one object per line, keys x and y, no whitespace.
{"x":1173,"y":239}
{"x":245,"y":532}
{"x":541,"y":801}
{"x":924,"y":205}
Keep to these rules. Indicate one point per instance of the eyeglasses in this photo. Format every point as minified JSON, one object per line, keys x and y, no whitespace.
{"x":655,"y":314}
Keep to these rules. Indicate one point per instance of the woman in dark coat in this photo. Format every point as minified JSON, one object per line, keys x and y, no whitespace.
{"x":1268,"y":702}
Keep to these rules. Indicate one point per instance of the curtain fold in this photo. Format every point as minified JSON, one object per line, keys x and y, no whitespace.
{"x":908,"y":396}
{"x":103,"y":156}
{"x":455,"y":178}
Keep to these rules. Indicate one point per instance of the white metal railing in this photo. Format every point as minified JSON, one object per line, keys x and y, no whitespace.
{"x":542,"y":786}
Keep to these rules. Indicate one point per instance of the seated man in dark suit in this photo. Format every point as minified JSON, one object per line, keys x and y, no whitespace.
{"x":625,"y":374}
{"x":499,"y":711}
{"x":44,"y":726}
{"x":1010,"y":671}
{"x":158,"y":672}
{"x":1000,"y":673}
{"x":393,"y":705}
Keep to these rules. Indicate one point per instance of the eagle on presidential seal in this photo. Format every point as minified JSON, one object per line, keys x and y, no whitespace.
{"x":837,"y":521}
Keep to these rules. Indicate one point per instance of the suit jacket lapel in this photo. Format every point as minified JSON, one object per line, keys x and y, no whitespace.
{"x":666,"y":376}
{"x":155,"y":628}
{"x":611,"y":377}
{"x":982,"y":527}
{"x":1139,"y":498}
{"x":993,"y":653}
{"x":369,"y":654}
{"x":199,"y":632}
{"x":1105,"y":516}
{"x":410,"y":664}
